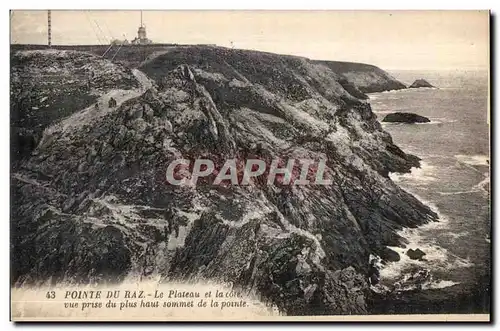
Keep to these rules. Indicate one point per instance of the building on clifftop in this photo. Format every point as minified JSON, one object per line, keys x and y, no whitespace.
{"x":141,"y":38}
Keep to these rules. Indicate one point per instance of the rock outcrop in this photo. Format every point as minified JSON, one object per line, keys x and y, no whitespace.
{"x":367,"y":78}
{"x":415,"y":254}
{"x":410,"y":118}
{"x":91,"y":204}
{"x":420,"y":83}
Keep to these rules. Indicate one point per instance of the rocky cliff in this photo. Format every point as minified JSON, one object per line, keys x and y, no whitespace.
{"x":90,"y":202}
{"x":357,"y":78}
{"x":367,"y":78}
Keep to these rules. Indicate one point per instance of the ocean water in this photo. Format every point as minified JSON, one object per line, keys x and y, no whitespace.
{"x":453,"y":180}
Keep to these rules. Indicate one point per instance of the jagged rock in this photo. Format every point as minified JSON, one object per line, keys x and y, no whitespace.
{"x":389,"y":255}
{"x":420,"y":83}
{"x":373,"y":273}
{"x":415,"y":254}
{"x":405,"y":118}
{"x":136,"y":112}
{"x":305,"y":249}
{"x":148,"y":112}
{"x":413,"y":281}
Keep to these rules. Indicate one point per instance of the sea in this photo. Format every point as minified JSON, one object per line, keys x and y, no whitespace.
{"x":454,"y":180}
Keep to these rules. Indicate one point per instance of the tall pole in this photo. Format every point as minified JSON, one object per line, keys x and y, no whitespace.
{"x":49,"y":29}
{"x":141,"y":18}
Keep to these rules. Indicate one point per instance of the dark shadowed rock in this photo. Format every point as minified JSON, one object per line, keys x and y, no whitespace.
{"x":420,"y":83}
{"x":405,"y":118}
{"x":415,"y":254}
{"x":389,"y":255}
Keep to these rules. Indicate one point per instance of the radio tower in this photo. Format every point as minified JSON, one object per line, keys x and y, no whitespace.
{"x":49,"y":29}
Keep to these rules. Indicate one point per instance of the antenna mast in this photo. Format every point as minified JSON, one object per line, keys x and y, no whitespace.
{"x":49,"y":29}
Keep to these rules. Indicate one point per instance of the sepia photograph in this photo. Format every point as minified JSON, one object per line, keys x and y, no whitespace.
{"x":250,"y":165}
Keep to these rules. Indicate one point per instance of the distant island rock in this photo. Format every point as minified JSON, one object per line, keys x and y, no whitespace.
{"x":420,"y":83}
{"x":405,"y":118}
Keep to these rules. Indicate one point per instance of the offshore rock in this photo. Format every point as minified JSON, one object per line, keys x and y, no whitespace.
{"x":415,"y":254}
{"x":420,"y":83}
{"x":409,"y":118}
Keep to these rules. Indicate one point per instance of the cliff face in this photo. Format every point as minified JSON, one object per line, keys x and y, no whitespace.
{"x":91,"y":203}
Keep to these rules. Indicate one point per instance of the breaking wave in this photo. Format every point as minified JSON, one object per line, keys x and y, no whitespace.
{"x":408,"y":274}
{"x":417,"y":176}
{"x":473,"y":160}
{"x":437,"y":121}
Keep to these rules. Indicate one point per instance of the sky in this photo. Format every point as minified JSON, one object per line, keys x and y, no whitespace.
{"x":397,"y":40}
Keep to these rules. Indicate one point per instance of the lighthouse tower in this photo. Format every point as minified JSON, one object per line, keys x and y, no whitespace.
{"x":141,"y":35}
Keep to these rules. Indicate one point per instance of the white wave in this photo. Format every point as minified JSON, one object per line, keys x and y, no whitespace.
{"x":424,"y":89}
{"x":433,"y":121}
{"x":458,"y":192}
{"x":481,"y":187}
{"x":418,"y":176}
{"x":484,"y":185}
{"x":436,"y":121}
{"x":412,"y":282}
{"x":382,"y":112}
{"x":435,"y":258}
{"x":455,"y":236}
{"x":438,"y":284}
{"x":444,"y":119}
{"x":435,"y":255}
{"x":474,"y":160}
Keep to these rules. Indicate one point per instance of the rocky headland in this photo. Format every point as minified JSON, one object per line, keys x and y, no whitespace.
{"x":90,"y":203}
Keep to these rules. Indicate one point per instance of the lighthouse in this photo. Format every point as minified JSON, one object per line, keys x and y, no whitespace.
{"x":141,"y":35}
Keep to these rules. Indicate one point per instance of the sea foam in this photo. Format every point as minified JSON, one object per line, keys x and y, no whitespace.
{"x":437,"y":258}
